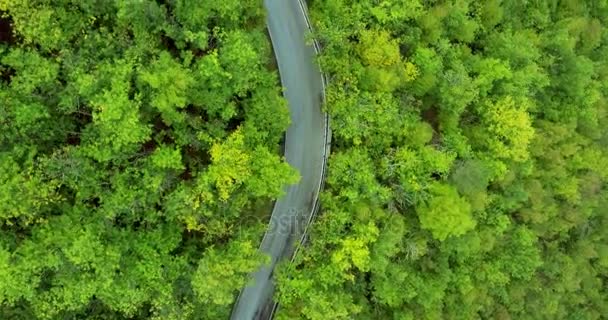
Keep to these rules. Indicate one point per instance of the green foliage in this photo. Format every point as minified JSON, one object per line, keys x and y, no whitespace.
{"x":138,"y":148}
{"x":490,"y":157}
{"x":222,"y":272}
{"x":509,"y":130}
{"x":446,"y":214}
{"x":170,"y":83}
{"x":24,"y":195}
{"x":138,"y":156}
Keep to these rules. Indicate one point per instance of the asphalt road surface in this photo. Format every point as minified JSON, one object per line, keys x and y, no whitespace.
{"x":306,"y":144}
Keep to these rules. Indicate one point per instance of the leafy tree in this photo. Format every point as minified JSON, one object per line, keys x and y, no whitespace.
{"x":446,"y":213}
{"x":509,"y":128}
{"x":494,"y":179}
{"x":170,"y":82}
{"x":221,"y":272}
{"x":134,"y":167}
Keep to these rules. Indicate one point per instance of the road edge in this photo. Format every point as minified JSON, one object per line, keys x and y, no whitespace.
{"x":327,"y":146}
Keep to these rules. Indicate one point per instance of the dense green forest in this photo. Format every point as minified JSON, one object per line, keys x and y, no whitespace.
{"x":469,"y":167}
{"x":140,"y":152}
{"x":139,"y":156}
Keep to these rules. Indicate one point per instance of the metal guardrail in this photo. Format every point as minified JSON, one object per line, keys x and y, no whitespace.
{"x":327,"y":133}
{"x":326,"y":152}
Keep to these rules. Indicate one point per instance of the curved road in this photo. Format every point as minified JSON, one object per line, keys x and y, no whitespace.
{"x":306,"y":149}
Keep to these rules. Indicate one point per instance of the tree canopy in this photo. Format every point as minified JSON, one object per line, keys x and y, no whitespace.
{"x":469,"y":163}
{"x":139,"y":156}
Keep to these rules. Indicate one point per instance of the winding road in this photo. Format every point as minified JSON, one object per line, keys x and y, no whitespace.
{"x":306,"y":149}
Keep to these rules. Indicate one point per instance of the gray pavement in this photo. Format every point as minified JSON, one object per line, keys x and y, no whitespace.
{"x":305,"y":150}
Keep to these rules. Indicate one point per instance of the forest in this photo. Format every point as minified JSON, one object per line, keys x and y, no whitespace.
{"x":469,"y":167}
{"x":139,"y":156}
{"x":141,"y":152}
